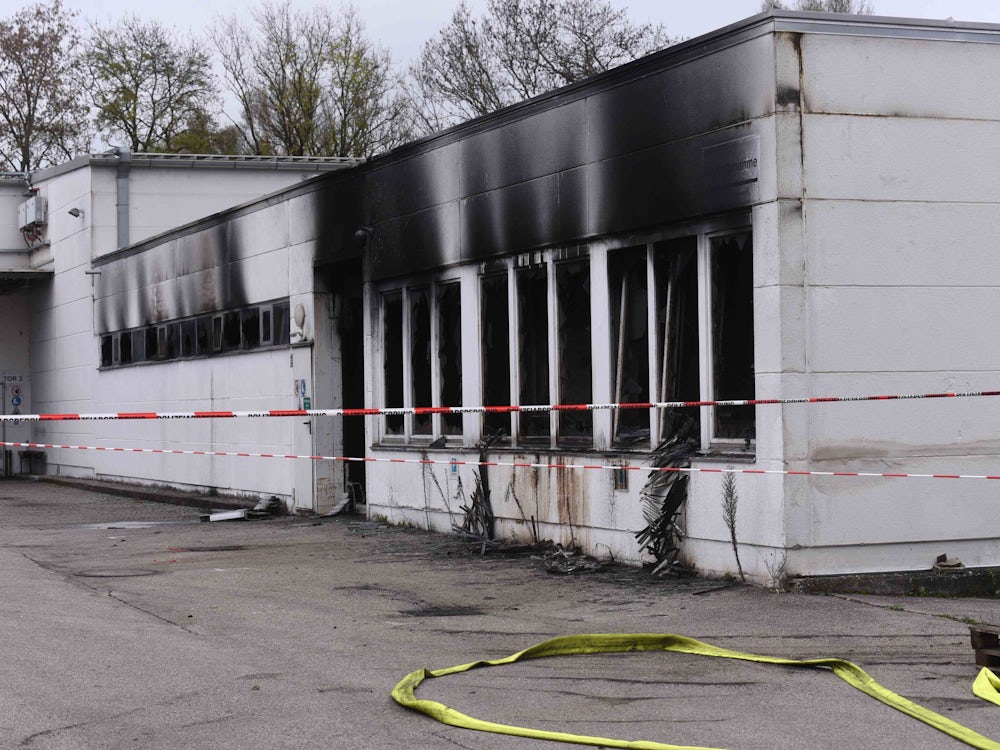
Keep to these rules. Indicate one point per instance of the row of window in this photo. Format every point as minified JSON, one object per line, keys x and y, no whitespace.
{"x":670,"y":320}
{"x":251,"y":327}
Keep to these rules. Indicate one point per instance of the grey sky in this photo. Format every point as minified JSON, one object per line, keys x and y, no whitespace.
{"x":404,"y":25}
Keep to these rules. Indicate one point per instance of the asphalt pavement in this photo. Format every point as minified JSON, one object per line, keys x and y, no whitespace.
{"x":126,"y":623}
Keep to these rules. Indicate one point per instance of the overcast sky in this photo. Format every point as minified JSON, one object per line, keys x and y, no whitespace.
{"x":403,"y":25}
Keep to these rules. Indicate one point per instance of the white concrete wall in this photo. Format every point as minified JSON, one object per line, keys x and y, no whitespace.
{"x":270,"y":244}
{"x":898,"y":290}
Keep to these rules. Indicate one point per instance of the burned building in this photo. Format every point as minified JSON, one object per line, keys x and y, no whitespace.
{"x":798,"y":205}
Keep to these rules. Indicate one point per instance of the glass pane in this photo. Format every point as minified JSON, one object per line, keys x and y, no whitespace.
{"x":533,"y":350}
{"x":732,"y":335}
{"x":496,"y":352}
{"x":450,"y":354}
{"x":204,"y":336}
{"x":575,"y":386}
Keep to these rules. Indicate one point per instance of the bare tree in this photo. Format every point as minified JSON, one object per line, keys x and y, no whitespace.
{"x":857,"y":7}
{"x":147,"y":85}
{"x":519,"y":49}
{"x":309,"y":83}
{"x":362,"y":92}
{"x":42,"y":118}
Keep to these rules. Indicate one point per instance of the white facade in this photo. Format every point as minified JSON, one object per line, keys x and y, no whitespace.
{"x":539,"y":256}
{"x":71,"y":299}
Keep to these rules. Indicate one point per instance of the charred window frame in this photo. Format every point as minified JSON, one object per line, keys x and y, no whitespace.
{"x":537,"y":347}
{"x":241,"y":329}
{"x":728,"y":259}
{"x":681,"y":329}
{"x":421,"y":341}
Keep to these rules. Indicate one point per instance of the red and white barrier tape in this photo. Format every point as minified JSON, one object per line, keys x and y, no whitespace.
{"x":423,"y":410}
{"x":511,"y":464}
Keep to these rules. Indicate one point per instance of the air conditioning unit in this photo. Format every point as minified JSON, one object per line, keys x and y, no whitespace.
{"x":33,"y":212}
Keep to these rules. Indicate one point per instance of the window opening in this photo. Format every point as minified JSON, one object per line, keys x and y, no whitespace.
{"x":629,"y":301}
{"x":250,"y":327}
{"x":107,"y":350}
{"x":420,"y":357}
{"x":676,"y":273}
{"x":496,"y":352}
{"x":231,"y":331}
{"x":574,"y":356}
{"x":204,"y":335}
{"x":173,"y":340}
{"x":152,"y":343}
{"x":449,"y":302}
{"x":189,"y":337}
{"x":392,"y":343}
{"x":732,"y":335}
{"x":533,"y":350}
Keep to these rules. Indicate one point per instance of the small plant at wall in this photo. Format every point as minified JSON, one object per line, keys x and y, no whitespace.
{"x":730,"y":499}
{"x":479,"y":519}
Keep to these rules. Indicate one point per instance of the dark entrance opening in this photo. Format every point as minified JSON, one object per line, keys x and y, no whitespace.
{"x":344,"y":282}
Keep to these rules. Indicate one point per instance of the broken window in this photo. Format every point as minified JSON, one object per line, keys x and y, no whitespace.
{"x":732,"y":335}
{"x":152,"y":343}
{"x":107,"y":350}
{"x":449,"y":306}
{"x":629,"y":301}
{"x":496,"y":352}
{"x":675,"y":265}
{"x":392,"y":347}
{"x":420,"y":358}
{"x":231,"y":331}
{"x":250,"y":325}
{"x":189,"y":332}
{"x":575,"y":382}
{"x":533,"y":350}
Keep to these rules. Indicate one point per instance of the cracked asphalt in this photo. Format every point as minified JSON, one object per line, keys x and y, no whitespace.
{"x":131,"y":624}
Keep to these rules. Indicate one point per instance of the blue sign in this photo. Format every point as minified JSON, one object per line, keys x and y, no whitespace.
{"x":16,"y":401}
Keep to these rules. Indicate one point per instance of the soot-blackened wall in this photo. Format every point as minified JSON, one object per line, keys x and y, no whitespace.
{"x":670,"y":137}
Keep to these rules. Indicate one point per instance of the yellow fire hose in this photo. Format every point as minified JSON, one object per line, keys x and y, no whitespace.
{"x":986,"y":686}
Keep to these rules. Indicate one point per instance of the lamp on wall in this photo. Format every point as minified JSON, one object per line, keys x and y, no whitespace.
{"x":362,"y":235}
{"x":76,"y":213}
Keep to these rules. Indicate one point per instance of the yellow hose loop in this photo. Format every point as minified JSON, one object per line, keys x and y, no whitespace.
{"x":986,"y":686}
